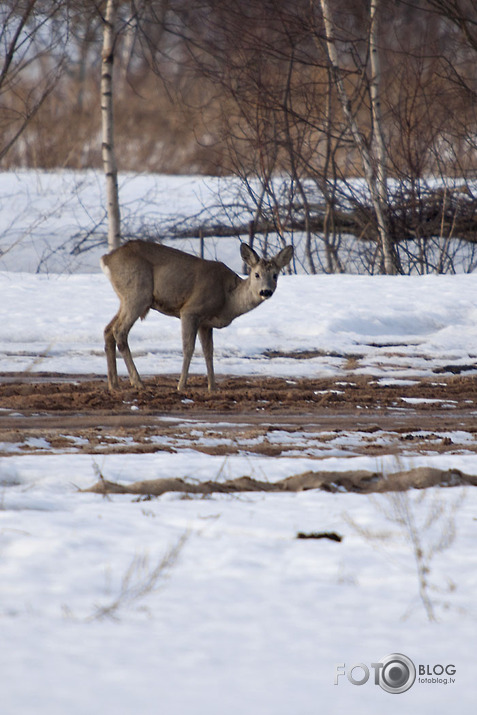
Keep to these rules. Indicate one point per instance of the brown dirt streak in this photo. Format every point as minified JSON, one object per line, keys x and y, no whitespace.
{"x":53,"y":406}
{"x":361,"y":482}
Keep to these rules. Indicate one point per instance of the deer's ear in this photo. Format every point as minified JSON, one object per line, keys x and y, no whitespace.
{"x":248,"y":255}
{"x":284,"y":257}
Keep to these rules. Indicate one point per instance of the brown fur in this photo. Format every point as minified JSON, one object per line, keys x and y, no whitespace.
{"x":203,"y":294}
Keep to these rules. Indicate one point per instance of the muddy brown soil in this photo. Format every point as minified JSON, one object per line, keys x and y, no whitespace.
{"x":58,"y":394}
{"x":273,"y":416}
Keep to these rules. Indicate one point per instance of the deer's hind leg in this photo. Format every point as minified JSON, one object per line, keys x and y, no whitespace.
{"x":125,"y":319}
{"x":135,"y":294}
{"x":110,"y":350}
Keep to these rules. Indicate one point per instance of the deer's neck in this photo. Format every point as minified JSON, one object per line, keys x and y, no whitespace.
{"x":242,"y":299}
{"x":239,"y":299}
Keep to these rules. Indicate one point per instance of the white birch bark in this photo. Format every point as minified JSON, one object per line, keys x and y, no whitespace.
{"x":379,"y":145}
{"x":373,"y":167}
{"x":107,"y":117}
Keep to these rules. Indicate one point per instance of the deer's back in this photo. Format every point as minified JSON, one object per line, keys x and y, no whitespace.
{"x":180,"y":282}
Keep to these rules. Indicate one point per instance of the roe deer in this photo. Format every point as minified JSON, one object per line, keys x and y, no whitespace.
{"x":203,"y":294}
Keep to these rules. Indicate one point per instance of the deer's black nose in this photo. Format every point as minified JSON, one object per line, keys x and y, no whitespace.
{"x":266,"y":293}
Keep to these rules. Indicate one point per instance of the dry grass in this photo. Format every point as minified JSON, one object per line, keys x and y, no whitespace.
{"x":140,"y":579}
{"x":426,"y":520}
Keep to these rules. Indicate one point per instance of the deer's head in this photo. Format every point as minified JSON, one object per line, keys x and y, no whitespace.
{"x":264,"y":272}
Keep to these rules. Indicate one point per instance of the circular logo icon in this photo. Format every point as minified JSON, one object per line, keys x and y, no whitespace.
{"x":397,"y":674}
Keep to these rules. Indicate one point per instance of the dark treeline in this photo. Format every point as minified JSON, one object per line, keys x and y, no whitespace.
{"x":254,"y":89}
{"x":206,"y":86}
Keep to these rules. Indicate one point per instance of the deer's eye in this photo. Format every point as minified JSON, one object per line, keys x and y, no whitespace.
{"x":257,"y":275}
{"x":275,"y":276}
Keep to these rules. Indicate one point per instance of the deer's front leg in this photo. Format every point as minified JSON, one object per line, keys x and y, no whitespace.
{"x":206,"y":340}
{"x":189,"y":324}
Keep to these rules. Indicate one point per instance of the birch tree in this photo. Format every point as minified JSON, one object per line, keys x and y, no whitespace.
{"x":373,"y":157}
{"x":107,"y":117}
{"x":378,"y":144}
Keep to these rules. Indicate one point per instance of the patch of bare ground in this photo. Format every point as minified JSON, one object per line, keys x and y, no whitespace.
{"x":268,"y":416}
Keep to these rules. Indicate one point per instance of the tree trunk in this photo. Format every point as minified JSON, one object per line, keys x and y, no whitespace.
{"x":379,"y":147}
{"x":109,"y":159}
{"x":372,"y":167}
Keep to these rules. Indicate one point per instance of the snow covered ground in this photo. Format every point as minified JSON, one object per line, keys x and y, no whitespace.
{"x":212,"y":605}
{"x":389,"y":326}
{"x":248,"y":619}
